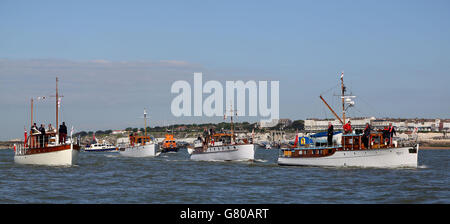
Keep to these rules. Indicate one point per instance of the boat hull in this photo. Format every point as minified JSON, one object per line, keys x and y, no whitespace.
{"x":65,"y":157}
{"x":165,"y":150}
{"x":101,"y":150}
{"x":226,"y":153}
{"x":149,"y":150}
{"x":384,"y":158}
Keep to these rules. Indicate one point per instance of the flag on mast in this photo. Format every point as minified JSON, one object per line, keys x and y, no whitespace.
{"x":342,"y":75}
{"x":59,"y":102}
{"x":25,"y":135}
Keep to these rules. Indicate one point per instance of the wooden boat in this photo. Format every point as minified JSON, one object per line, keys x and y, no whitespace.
{"x":222,"y":147}
{"x":351,"y":152}
{"x":47,"y":149}
{"x":141,"y":146}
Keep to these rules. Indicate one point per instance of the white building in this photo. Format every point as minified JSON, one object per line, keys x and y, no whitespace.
{"x":116,"y":132}
{"x":426,"y":125}
{"x":322,"y":124}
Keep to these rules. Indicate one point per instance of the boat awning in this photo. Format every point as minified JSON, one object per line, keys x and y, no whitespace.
{"x":324,"y":134}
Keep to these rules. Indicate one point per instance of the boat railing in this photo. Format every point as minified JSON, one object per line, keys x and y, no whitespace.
{"x":19,"y":149}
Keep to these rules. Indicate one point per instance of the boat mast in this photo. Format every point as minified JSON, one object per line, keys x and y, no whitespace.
{"x":343,"y":100}
{"x":145,"y":121}
{"x":31,"y":114}
{"x":57,"y":99}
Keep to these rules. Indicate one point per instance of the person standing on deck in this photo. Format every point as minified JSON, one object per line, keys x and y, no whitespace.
{"x":62,"y":133}
{"x":391,"y":133}
{"x":330,"y":134}
{"x":348,"y":128}
{"x":42,"y":136}
{"x":366,"y":136}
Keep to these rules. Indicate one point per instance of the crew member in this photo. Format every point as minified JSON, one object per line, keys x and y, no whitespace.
{"x":42,"y":136}
{"x":391,"y":133}
{"x":348,"y":127}
{"x":62,"y":133}
{"x":366,"y":136}
{"x":385,"y":134}
{"x":330,"y":133}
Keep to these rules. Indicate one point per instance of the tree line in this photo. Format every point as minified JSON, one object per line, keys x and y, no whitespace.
{"x":240,"y":126}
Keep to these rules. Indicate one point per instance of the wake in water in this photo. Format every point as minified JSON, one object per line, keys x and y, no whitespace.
{"x":260,"y":160}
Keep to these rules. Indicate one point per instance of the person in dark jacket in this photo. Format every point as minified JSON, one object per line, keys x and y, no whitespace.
{"x":392,"y":132}
{"x":385,"y":134}
{"x":366,"y":135}
{"x":62,"y":133}
{"x":42,"y":136}
{"x":330,"y":134}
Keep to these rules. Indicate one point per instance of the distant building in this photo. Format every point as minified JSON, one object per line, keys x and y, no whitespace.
{"x":424,"y":125}
{"x":315,"y":124}
{"x":274,"y":122}
{"x":181,"y":128}
{"x":117,"y":132}
{"x":268,"y":124}
{"x":285,"y":122}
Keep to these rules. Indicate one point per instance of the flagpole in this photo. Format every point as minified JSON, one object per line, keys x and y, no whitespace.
{"x":57,"y":114}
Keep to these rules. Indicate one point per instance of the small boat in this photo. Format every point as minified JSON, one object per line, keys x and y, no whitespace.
{"x":222,"y":147}
{"x":140,"y":146}
{"x":350,"y":150}
{"x":101,"y":147}
{"x":267,"y":146}
{"x":169,"y":144}
{"x":48,"y":149}
{"x":95,"y":146}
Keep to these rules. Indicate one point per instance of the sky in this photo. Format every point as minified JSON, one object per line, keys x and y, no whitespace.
{"x":114,"y":58}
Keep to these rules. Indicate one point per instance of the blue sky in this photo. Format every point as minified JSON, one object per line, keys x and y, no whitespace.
{"x":395,"y":55}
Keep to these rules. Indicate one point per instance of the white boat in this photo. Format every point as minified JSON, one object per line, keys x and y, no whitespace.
{"x":39,"y":149}
{"x":268,"y":146}
{"x":148,"y":150}
{"x":222,"y":147}
{"x":374,"y":149}
{"x":58,"y":155}
{"x":237,"y":152}
{"x":101,"y":147}
{"x":140,"y":146}
{"x":382,"y":158}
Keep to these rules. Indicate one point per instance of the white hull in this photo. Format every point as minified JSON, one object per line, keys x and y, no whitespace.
{"x":65,"y":157}
{"x":148,"y":150}
{"x":226,"y":153}
{"x":389,"y":158}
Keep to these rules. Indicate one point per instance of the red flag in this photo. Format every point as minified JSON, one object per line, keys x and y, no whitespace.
{"x":25,"y":141}
{"x":296,"y":140}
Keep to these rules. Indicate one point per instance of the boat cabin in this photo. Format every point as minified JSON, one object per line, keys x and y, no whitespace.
{"x":139,"y":140}
{"x":169,"y":142}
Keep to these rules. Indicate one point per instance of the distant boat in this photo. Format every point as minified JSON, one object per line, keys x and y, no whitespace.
{"x":141,"y":146}
{"x":101,"y":147}
{"x":379,"y":150}
{"x":267,"y":146}
{"x":222,"y":147}
{"x":169,"y":144}
{"x":47,"y":149}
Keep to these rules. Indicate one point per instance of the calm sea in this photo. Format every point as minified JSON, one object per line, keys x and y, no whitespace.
{"x":173,"y":178}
